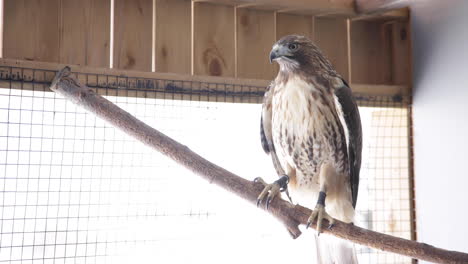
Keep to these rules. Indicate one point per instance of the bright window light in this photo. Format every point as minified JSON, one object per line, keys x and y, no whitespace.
{"x":74,"y":189}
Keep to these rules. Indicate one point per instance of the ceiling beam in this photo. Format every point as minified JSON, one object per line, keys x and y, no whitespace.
{"x":377,"y":6}
{"x":342,"y":7}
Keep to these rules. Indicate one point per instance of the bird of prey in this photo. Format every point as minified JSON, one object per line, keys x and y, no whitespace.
{"x":310,"y":126}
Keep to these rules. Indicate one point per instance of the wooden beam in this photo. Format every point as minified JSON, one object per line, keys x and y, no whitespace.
{"x":401,"y":14}
{"x":377,"y":6}
{"x":28,"y":72}
{"x":130,"y":73}
{"x":380,"y":89}
{"x":221,"y":2}
{"x":344,"y":7}
{"x":259,"y":6}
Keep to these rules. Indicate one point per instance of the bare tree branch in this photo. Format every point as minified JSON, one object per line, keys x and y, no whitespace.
{"x":291,"y":216}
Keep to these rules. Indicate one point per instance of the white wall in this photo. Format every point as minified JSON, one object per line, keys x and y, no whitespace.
{"x":440,"y":53}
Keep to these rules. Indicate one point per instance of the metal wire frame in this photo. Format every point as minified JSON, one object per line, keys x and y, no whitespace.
{"x":391,"y":132}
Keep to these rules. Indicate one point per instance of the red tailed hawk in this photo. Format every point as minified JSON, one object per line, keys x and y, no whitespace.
{"x":310,"y":126}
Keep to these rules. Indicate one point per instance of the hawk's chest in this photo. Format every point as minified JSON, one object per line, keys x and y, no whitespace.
{"x":293,"y":104}
{"x":300,"y":125}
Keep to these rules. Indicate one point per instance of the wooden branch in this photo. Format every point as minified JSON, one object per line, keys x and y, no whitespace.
{"x":290,"y":215}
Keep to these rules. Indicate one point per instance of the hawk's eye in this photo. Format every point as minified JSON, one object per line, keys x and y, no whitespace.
{"x":293,"y":46}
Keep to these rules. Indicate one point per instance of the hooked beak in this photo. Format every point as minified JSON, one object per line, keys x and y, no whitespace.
{"x":273,"y":55}
{"x":279,"y":51}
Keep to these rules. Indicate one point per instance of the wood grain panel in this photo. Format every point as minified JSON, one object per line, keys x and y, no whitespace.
{"x":380,"y":52}
{"x":401,"y":51}
{"x":255,"y":37}
{"x":374,"y":6}
{"x":173,"y":36}
{"x":213,"y":48}
{"x":288,"y":24}
{"x":331,"y":37}
{"x":31,"y":30}
{"x":133,"y":34}
{"x":370,"y":53}
{"x":85,"y":35}
{"x":337,"y":7}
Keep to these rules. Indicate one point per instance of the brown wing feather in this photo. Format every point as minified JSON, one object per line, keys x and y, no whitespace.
{"x":354,"y":130}
{"x":263,"y":138}
{"x":265,"y":122}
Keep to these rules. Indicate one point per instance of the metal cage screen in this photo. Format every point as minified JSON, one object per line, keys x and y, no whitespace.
{"x":73,"y":189}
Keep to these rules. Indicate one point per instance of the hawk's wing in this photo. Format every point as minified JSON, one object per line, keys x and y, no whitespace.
{"x":352,"y":120}
{"x":266,"y":130}
{"x":265,"y":122}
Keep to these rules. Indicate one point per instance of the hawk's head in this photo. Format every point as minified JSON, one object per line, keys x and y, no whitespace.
{"x":293,"y":51}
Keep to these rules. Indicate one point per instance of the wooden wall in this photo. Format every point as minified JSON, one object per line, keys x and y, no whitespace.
{"x":230,"y":38}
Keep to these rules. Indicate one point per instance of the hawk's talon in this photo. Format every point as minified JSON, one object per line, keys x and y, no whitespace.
{"x":271,"y":190}
{"x":270,"y":198}
{"x":320,"y":213}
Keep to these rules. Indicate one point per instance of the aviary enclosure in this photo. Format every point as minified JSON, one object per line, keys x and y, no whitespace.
{"x":75,"y":189}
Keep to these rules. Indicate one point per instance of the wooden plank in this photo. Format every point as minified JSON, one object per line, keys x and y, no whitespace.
{"x":288,"y":24}
{"x":332,"y":38}
{"x":375,"y":6}
{"x":380,"y":89}
{"x":380,"y":52}
{"x":133,"y":34}
{"x":259,"y":6}
{"x":401,"y":53}
{"x":85,"y":34}
{"x":370,"y":53}
{"x":31,"y":30}
{"x":395,"y":14}
{"x":10,"y":70}
{"x":255,"y":37}
{"x":173,"y":36}
{"x":9,"y":63}
{"x":213,"y":40}
{"x":339,"y":7}
{"x":2,"y":16}
{"x":221,"y":2}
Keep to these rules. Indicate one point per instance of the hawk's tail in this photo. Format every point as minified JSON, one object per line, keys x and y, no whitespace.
{"x":332,"y":250}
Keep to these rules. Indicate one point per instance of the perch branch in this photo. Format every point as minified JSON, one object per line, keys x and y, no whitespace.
{"x":291,"y":216}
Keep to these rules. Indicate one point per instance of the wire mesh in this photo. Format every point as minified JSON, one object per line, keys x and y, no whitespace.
{"x":73,"y":189}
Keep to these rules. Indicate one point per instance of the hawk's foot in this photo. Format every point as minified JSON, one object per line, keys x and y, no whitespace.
{"x":271,"y":190}
{"x":320,"y":213}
